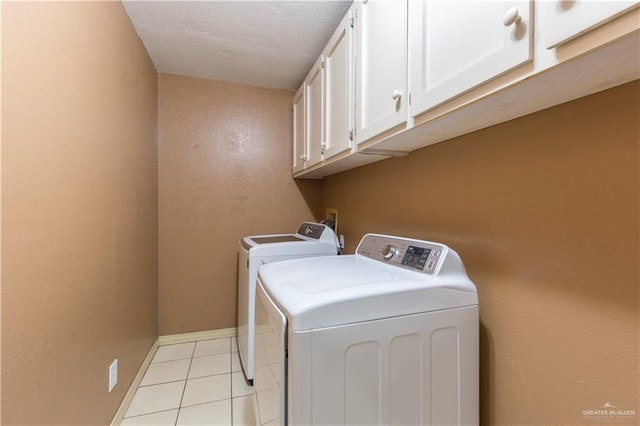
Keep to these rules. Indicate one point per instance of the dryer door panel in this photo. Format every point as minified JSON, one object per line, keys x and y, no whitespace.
{"x":270,"y":361}
{"x":415,"y":369}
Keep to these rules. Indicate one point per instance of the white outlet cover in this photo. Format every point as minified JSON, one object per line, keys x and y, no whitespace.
{"x":113,"y":375}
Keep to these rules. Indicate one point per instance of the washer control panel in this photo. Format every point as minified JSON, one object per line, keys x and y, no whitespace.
{"x":416,"y":255}
{"x":311,"y":230}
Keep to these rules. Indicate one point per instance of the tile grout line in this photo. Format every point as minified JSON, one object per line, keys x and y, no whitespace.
{"x":140,"y":386}
{"x":191,"y":358}
{"x":147,"y":414}
{"x":231,"y":375}
{"x":186,"y":380}
{"x":161,"y":383}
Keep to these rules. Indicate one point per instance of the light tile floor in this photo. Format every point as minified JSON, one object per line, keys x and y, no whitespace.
{"x":198,"y":383}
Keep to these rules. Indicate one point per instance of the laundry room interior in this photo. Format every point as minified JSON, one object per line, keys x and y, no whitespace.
{"x":125,"y":190}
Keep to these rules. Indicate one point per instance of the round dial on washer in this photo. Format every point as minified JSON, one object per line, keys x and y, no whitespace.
{"x":389,"y":251}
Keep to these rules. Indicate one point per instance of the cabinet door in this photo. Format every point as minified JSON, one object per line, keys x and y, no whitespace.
{"x":338,"y":73}
{"x":381,"y":67}
{"x":566,"y":19}
{"x":314,"y":93}
{"x":458,"y":45}
{"x":299,"y":135}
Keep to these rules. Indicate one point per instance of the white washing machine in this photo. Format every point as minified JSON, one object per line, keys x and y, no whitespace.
{"x":311,"y":239}
{"x":387,"y":336}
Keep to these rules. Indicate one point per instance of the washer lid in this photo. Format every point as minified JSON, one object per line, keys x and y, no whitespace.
{"x":311,"y":238}
{"x":281,"y":238}
{"x":330,"y":291}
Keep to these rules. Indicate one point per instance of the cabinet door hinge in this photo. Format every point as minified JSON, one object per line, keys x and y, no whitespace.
{"x":322,"y":64}
{"x":409,"y":98}
{"x":351,"y":135}
{"x":351,"y":23}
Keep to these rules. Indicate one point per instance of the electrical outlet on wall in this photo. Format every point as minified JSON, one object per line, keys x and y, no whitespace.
{"x":113,"y":374}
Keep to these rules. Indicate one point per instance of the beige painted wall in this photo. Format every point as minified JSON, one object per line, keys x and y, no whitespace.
{"x":224,"y":172}
{"x":79,"y":209}
{"x":1,"y":211}
{"x":544,"y":211}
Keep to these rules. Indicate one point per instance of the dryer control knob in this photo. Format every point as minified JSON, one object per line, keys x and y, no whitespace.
{"x":389,"y":251}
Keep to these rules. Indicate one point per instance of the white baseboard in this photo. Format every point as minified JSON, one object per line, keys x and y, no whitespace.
{"x":124,"y":405}
{"x":172,"y":339}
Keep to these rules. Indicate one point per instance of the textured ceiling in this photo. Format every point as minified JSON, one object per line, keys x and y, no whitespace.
{"x":260,"y":43}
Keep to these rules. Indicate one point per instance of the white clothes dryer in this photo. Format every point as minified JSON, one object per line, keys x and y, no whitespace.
{"x":387,"y":336}
{"x":311,"y":239}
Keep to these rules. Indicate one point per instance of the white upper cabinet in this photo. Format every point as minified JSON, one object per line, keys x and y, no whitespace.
{"x":567,"y":19}
{"x":338,"y":71}
{"x":299,"y":136}
{"x":458,"y":45}
{"x":410,"y":73}
{"x":381,"y":66}
{"x":314,"y":103}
